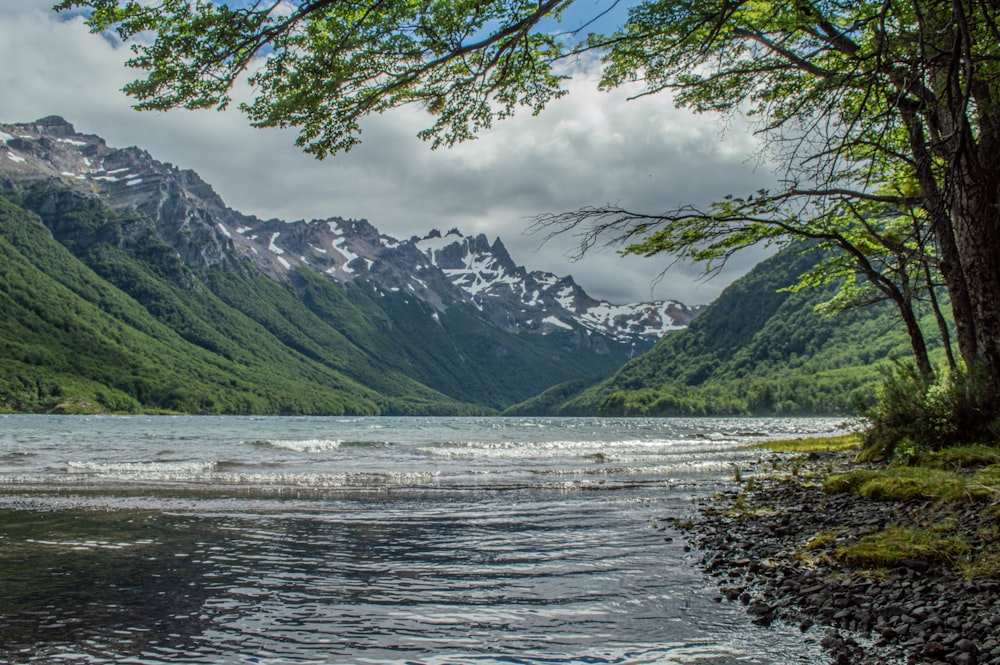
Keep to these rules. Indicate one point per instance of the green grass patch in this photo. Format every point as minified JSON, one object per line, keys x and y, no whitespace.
{"x":984,"y":565}
{"x":988,"y":476}
{"x":823,"y":539}
{"x":896,"y":545}
{"x":842,"y":483}
{"x":906,"y":483}
{"x":962,"y":457}
{"x":820,"y":444}
{"x":984,"y":485}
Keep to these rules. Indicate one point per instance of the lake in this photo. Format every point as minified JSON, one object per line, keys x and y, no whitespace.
{"x":330,"y":540}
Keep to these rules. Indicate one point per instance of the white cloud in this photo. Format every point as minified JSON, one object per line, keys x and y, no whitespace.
{"x":589,"y":148}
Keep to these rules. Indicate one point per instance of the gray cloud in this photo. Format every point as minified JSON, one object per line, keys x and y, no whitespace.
{"x":589,"y":148}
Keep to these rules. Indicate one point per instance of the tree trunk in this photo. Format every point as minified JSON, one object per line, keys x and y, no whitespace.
{"x":942,"y":323}
{"x":901,"y":293}
{"x":976,"y":218}
{"x":916,"y":340}
{"x":953,"y":272}
{"x":951,"y":265}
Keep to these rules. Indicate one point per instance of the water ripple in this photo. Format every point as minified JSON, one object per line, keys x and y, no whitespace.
{"x":367,"y":542}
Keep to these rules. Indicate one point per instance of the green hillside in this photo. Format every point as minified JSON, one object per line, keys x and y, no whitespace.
{"x":71,"y":339}
{"x":756,"y":350}
{"x":100,"y":314}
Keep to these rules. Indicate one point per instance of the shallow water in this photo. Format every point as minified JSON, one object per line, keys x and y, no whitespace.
{"x":368,"y":540}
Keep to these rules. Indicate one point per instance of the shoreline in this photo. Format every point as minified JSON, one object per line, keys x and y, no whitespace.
{"x":771,"y":544}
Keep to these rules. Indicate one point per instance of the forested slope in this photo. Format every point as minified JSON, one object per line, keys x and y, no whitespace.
{"x":99,"y":314}
{"x":758,"y":349}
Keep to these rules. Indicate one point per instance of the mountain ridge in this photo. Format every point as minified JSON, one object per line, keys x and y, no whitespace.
{"x":761,"y":348}
{"x":266,"y":316}
{"x":211,"y":233}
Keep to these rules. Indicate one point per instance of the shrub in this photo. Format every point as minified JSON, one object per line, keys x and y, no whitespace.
{"x":914,"y":414}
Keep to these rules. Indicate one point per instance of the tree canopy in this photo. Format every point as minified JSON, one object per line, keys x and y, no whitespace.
{"x":885,"y":115}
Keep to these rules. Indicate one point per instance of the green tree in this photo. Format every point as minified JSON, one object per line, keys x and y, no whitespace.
{"x":892,"y":103}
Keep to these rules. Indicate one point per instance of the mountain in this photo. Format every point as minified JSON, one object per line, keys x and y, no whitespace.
{"x":136,"y":287}
{"x":517,"y":300}
{"x":439,"y":270}
{"x":758,"y":349}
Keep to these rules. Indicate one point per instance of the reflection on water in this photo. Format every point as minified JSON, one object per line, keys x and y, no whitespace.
{"x":384,"y":584}
{"x":82,"y":584}
{"x":490,"y":562}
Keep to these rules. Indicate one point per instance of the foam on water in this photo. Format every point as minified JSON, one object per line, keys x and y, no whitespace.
{"x":527,"y":450}
{"x":302,"y":446}
{"x":153,"y":469}
{"x":87,"y":545}
{"x":372,"y":480}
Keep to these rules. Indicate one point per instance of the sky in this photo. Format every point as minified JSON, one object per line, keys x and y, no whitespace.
{"x":589,"y":148}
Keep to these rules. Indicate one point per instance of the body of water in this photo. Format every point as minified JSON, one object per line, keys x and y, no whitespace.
{"x":370,"y":541}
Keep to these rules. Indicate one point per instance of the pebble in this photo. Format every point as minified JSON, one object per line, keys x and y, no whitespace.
{"x":915,"y":614}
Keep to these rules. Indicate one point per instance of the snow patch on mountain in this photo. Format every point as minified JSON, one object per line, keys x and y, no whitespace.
{"x":273,"y":247}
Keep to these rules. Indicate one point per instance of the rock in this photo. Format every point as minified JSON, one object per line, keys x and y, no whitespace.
{"x":916,"y":564}
{"x":967,"y":646}
{"x":935,"y":650}
{"x":918,"y":613}
{"x":964,"y":658}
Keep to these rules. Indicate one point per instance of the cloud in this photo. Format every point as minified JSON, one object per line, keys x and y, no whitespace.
{"x":589,"y":148}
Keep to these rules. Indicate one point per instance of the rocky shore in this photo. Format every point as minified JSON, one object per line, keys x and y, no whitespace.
{"x":771,"y":544}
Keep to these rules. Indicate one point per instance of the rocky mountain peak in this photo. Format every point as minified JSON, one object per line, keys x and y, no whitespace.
{"x":54,"y":125}
{"x":442,"y":269}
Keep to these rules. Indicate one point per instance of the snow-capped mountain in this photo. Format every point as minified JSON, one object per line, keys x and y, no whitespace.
{"x":537,"y":300}
{"x":440,"y":269}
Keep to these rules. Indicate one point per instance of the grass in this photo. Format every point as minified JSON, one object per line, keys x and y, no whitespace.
{"x":955,"y":476}
{"x":910,"y":483}
{"x":820,"y":444}
{"x":896,"y":545}
{"x":843,"y":483}
{"x":939,"y":544}
{"x":823,"y":539}
{"x":962,"y":457}
{"x":985,"y":565}
{"x":913,"y":483}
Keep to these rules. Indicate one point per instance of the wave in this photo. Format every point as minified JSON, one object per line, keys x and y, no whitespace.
{"x":365,"y":444}
{"x":142,"y":470}
{"x":669,"y":654}
{"x":88,"y":545}
{"x":589,"y":449}
{"x":299,"y":445}
{"x":224,"y":474}
{"x":16,"y":457}
{"x":353,"y":480}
